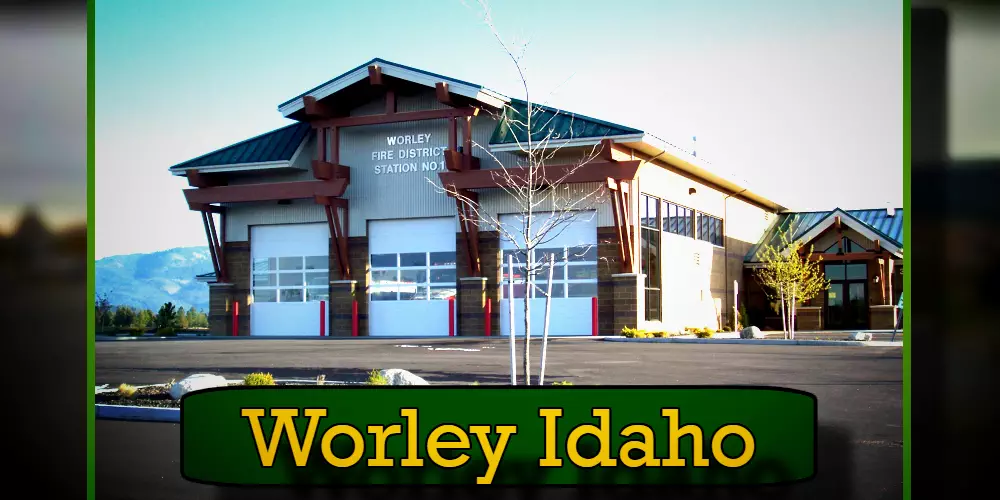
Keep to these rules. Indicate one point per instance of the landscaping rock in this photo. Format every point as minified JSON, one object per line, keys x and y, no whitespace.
{"x":196,"y":382}
{"x":751,"y":332}
{"x":396,"y":376}
{"x":864,"y":336}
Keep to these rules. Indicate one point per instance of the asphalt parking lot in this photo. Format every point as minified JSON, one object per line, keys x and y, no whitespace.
{"x":859,"y":390}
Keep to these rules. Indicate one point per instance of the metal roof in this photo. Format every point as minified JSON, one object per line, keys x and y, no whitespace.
{"x":277,"y":145}
{"x":796,"y":224}
{"x":562,"y":125}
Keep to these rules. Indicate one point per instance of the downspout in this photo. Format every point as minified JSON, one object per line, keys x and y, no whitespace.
{"x":725,"y":246}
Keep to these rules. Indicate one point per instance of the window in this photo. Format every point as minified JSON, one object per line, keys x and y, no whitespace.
{"x":412,"y":276}
{"x":846,"y":272}
{"x":291,"y":279}
{"x":850,"y":246}
{"x":677,"y":219}
{"x":649,"y":254}
{"x":573,"y":275}
{"x":710,"y":229}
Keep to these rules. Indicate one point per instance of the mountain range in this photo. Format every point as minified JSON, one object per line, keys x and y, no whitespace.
{"x":148,"y":280}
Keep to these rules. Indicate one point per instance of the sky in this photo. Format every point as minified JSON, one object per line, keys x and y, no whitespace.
{"x":801,"y":100}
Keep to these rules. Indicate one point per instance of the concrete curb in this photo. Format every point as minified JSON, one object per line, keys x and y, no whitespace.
{"x":138,"y":413}
{"x":840,"y":343}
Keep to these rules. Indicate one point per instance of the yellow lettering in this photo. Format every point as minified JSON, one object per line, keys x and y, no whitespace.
{"x":645,"y":446}
{"x":550,"y":415}
{"x":411,"y":460}
{"x":748,"y":445}
{"x":434,"y":444}
{"x":492,"y":454}
{"x":283,"y":421}
{"x":676,"y":432}
{"x":382,"y":433}
{"x":359,"y":445}
{"x":603,"y":457}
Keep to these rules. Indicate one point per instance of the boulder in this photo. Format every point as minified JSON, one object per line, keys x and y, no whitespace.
{"x":751,"y":332}
{"x":864,"y":336}
{"x":396,"y":376}
{"x":196,"y":382}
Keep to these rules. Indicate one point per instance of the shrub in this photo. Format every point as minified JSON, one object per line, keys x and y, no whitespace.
{"x":633,"y":333}
{"x":475,"y":383}
{"x":320,"y":379}
{"x":704,"y":333}
{"x":126,"y":390}
{"x":166,"y":331}
{"x":258,"y":378}
{"x":659,"y":334}
{"x":562,"y":382}
{"x":375,"y":377}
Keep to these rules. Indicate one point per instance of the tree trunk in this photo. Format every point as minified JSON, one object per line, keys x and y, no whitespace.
{"x":510,"y":315}
{"x":545,"y":328}
{"x":784,"y":317}
{"x":528,"y":292}
{"x":791,"y":320}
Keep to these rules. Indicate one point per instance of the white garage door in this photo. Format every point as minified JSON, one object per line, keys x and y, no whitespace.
{"x":290,"y":277}
{"x":412,"y":276}
{"x":574,"y":280}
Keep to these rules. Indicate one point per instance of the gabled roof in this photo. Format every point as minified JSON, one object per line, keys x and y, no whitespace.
{"x":806,"y":225}
{"x":276,"y":146}
{"x":396,"y":70}
{"x":563,"y":125}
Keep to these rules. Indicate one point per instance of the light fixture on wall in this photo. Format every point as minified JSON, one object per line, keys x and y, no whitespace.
{"x":692,"y":190}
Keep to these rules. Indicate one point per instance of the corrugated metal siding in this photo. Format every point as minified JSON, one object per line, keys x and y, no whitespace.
{"x":241,"y":216}
{"x":393,"y":195}
{"x":277,"y":145}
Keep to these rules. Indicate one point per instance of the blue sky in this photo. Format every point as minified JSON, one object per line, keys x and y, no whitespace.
{"x":802,"y":99}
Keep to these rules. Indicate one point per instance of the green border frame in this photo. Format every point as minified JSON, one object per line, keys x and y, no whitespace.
{"x":91,"y":367}
{"x":907,"y":491}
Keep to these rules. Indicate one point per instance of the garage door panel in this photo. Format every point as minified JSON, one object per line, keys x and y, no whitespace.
{"x":289,"y":278}
{"x":412,"y":276}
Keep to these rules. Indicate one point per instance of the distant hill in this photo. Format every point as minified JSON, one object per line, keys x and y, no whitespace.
{"x":148,"y":280}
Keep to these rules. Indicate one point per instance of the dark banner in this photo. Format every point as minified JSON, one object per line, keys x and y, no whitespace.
{"x":498,"y":435}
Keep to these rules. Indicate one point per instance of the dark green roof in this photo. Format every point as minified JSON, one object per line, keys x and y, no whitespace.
{"x":562,"y":124}
{"x":277,"y":145}
{"x":797,"y":224}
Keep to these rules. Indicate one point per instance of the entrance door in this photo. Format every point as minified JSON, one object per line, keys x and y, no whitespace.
{"x":847,"y":298}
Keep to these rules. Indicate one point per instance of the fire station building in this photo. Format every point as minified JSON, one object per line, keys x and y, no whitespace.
{"x":337,"y":224}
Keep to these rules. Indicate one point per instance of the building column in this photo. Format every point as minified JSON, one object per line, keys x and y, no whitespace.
{"x":342,"y":308}
{"x":219,"y":309}
{"x":627,"y":312}
{"x":471,"y":307}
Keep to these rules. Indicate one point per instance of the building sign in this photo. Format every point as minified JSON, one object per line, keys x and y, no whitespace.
{"x":408,"y":153}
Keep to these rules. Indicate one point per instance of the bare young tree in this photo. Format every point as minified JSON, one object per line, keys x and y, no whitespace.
{"x":547,"y":203}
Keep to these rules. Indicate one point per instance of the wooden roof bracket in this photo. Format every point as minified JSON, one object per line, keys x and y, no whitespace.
{"x":621,"y":201}
{"x":336,"y":210}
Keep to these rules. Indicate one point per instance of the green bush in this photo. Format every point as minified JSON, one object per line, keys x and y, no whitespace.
{"x":704,"y":333}
{"x":258,"y":378}
{"x":166,"y":331}
{"x":659,"y":334}
{"x":126,"y":390}
{"x":375,"y":377}
{"x":633,"y":333}
{"x":562,"y":382}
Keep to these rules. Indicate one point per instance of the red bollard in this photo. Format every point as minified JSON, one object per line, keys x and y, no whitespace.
{"x":354,"y":318}
{"x":593,"y":316}
{"x":451,"y":316}
{"x":236,"y":318}
{"x":322,"y":318}
{"x":486,"y":313}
